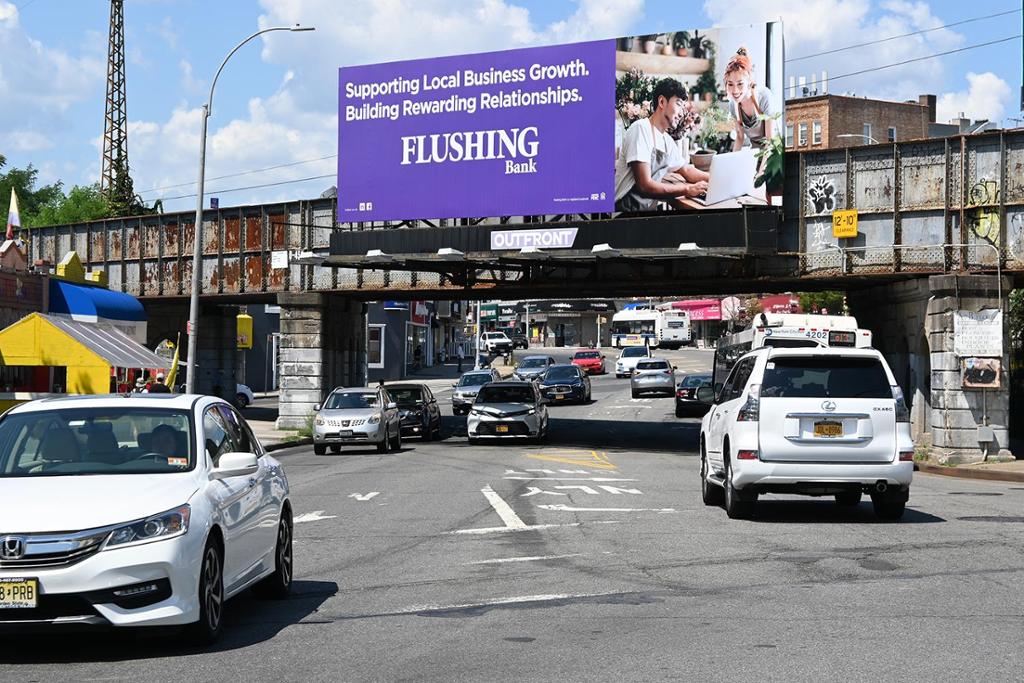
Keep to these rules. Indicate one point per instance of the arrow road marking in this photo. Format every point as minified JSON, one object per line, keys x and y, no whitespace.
{"x":568,"y":478}
{"x":504,"y":510}
{"x":617,"y":491}
{"x":314,"y":516}
{"x":364,"y":496}
{"x":566,"y":508}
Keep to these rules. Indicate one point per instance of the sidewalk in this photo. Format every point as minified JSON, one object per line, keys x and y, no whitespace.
{"x":991,"y":471}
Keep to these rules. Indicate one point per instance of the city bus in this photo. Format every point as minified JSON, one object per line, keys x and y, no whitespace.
{"x":787,"y":330}
{"x":651,"y":327}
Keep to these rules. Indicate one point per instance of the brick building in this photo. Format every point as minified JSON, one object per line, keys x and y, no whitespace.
{"x":824,"y":121}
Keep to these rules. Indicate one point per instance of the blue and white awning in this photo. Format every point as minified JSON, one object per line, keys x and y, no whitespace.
{"x":84,"y":303}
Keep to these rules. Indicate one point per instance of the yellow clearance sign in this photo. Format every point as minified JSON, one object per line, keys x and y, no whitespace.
{"x":844,"y":223}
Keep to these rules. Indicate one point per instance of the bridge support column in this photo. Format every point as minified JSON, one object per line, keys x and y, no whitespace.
{"x":217,"y":352}
{"x":912,"y":323}
{"x":323,"y":346}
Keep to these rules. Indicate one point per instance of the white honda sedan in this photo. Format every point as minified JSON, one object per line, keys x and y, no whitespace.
{"x":150,"y":510}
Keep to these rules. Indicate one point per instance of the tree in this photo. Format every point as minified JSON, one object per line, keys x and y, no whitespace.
{"x":30,"y":199}
{"x":813,"y":302}
{"x":82,"y":203}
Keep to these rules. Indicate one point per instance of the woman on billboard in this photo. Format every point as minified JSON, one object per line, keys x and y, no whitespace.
{"x":749,"y":105}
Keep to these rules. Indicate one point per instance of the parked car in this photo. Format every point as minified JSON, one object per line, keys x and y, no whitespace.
{"x":467,"y":387}
{"x":520,"y":341}
{"x":687,"y":402}
{"x":653,"y":375}
{"x":148,"y":510}
{"x":356,"y":417}
{"x":495,"y":343}
{"x":628,"y":358}
{"x":817,"y":422}
{"x":244,"y":395}
{"x":532,"y":367}
{"x":564,"y":383}
{"x":418,"y":410}
{"x":508,"y":410}
{"x":591,"y":362}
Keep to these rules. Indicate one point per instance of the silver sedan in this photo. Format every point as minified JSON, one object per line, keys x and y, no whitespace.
{"x":505,"y":410}
{"x":653,"y":375}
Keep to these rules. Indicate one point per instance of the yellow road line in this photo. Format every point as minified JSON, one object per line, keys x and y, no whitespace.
{"x":592,"y":459}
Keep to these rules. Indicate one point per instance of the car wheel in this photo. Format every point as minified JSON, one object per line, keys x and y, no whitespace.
{"x":709,"y":493}
{"x":735,"y":506}
{"x":680,"y":412}
{"x":319,"y":449}
{"x":335,"y":449}
{"x":278,"y":585}
{"x":888,"y":507}
{"x":397,"y":444}
{"x":634,"y":393}
{"x":471,"y":441}
{"x":848,"y":498}
{"x":211,"y":596}
{"x":382,"y":446}
{"x":243,"y":400}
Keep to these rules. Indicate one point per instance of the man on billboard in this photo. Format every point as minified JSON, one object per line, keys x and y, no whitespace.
{"x":650,"y":167}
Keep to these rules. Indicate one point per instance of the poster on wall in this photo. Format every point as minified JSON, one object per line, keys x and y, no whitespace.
{"x":680,"y":121}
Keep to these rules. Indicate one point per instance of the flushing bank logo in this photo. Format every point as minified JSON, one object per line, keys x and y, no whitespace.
{"x":517,"y":147}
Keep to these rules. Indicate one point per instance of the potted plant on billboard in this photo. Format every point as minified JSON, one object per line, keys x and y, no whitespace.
{"x":626,"y":44}
{"x":682,"y":132}
{"x":633,"y":92}
{"x":708,"y":137}
{"x":681,"y":43}
{"x":650,"y":43}
{"x":707,"y":85}
{"x":771,"y":165}
{"x":699,"y":46}
{"x":665,"y":40}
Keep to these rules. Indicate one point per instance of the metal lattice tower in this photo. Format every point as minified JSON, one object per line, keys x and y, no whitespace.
{"x":115,"y":120}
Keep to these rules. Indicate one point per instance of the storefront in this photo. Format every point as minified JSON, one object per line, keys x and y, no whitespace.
{"x":706,"y":324}
{"x":567,"y":322}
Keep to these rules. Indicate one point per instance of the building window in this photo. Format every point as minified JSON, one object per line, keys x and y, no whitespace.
{"x":867,"y":134}
{"x":892,"y":133}
{"x":789,"y":135}
{"x":802,"y":141}
{"x":816,"y":133}
{"x":375,"y":347}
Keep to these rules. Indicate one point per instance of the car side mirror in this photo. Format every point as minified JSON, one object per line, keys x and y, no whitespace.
{"x":706,"y":395}
{"x":235,"y":465}
{"x":675,"y":367}
{"x":316,"y":408}
{"x":392,"y":405}
{"x":455,"y":386}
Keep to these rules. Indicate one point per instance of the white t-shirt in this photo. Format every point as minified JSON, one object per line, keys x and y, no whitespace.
{"x":643,"y":142}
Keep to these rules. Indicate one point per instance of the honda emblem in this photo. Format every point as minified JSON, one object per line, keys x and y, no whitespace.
{"x":12,"y":548}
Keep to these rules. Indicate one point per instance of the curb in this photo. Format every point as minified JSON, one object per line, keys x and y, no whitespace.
{"x":280,"y":445}
{"x":964,"y":473}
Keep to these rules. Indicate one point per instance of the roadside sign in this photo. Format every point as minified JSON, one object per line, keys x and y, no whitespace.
{"x":844,"y":223}
{"x":978,"y":333}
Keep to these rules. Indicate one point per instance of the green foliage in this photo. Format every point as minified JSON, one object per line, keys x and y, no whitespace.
{"x":707,"y":82}
{"x":82,"y":203}
{"x":770,"y":160}
{"x":1016,"y":315}
{"x":30,"y":198}
{"x":681,"y":39}
{"x":813,"y":302}
{"x":713,"y":121}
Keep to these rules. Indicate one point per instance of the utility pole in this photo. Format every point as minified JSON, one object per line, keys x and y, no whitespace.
{"x":115,"y":117}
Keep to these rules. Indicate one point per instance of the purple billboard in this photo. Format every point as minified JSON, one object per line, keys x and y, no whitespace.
{"x":633,"y":125}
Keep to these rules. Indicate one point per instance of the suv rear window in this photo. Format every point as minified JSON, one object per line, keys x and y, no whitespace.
{"x":825,"y":377}
{"x":652,"y":365}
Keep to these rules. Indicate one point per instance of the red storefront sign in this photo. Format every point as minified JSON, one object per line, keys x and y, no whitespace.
{"x":700,"y":309}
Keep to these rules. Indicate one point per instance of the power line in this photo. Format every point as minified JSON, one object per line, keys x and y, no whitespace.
{"x":241,"y":173}
{"x":904,"y":35}
{"x":251,"y":187}
{"x":921,"y":59}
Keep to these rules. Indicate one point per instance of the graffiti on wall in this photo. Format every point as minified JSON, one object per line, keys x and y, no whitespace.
{"x":984,"y":223}
{"x":821,"y":192}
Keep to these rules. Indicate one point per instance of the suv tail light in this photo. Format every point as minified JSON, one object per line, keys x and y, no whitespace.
{"x":751,"y":410}
{"x":902,"y":412}
{"x":906,"y":456}
{"x":746,"y":455}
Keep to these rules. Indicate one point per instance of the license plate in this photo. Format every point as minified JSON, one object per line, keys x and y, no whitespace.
{"x":501,"y":429}
{"x":345,"y":432}
{"x":18,"y":593}
{"x":828,"y":429}
{"x":559,"y":397}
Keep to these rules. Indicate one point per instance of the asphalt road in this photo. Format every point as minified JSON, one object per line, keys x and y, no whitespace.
{"x":593,"y":558}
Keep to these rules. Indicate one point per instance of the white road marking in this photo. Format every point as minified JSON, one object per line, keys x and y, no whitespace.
{"x":314,"y":516}
{"x":530,"y":527}
{"x":569,"y":478}
{"x":504,"y":560}
{"x":504,"y":510}
{"x":585,"y":489}
{"x":617,"y":491}
{"x":364,"y":496}
{"x":502,"y":601}
{"x":566,"y":508}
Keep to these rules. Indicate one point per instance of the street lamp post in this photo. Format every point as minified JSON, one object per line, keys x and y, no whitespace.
{"x":870,"y":139}
{"x":197,"y":252}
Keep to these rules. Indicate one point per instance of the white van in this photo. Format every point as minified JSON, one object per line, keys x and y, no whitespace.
{"x":809,"y":421}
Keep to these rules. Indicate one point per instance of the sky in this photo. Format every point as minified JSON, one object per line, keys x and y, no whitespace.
{"x":276,"y":101}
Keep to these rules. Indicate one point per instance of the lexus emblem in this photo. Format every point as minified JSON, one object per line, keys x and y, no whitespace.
{"x":12,"y":548}
{"x":828,"y":406}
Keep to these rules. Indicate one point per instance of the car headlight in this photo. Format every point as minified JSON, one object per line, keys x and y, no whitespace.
{"x":170,"y":524}
{"x":319,"y":420}
{"x":374,"y":419}
{"x":531,"y":411}
{"x":474,"y":411}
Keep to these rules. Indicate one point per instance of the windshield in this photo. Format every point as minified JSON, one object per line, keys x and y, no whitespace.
{"x":406,"y":397}
{"x":634,"y":352}
{"x":587,"y":354}
{"x":832,"y":377}
{"x":506,"y":394}
{"x":691,"y":381}
{"x":558,"y":374}
{"x":474,"y":380}
{"x":351,"y":400}
{"x":109,"y":440}
{"x":533,"y":362}
{"x":652,"y":365}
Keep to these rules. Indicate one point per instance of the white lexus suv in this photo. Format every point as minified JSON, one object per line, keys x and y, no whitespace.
{"x":817,"y":422}
{"x":148,"y":510}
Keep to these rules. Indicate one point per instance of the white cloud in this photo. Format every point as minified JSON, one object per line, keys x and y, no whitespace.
{"x":25,"y":141}
{"x":813,"y":26}
{"x":189,"y":83}
{"x":987,"y":97}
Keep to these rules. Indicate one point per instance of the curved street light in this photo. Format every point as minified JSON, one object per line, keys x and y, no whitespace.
{"x":870,"y":139}
{"x":197,"y":252}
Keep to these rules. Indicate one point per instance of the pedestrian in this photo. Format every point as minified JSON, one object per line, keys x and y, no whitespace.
{"x":459,"y":353}
{"x":159,"y":387}
{"x":140,"y":385}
